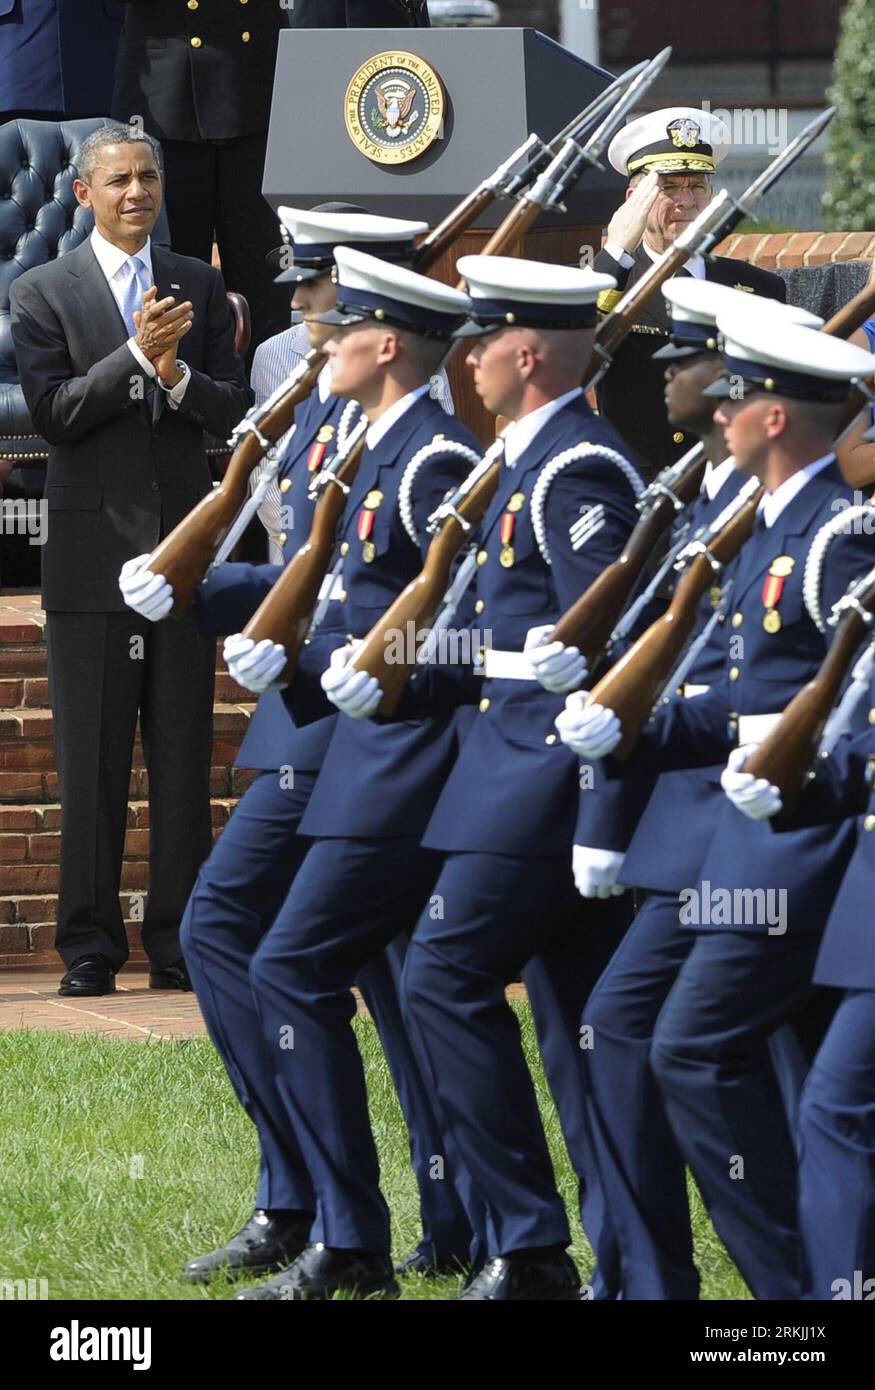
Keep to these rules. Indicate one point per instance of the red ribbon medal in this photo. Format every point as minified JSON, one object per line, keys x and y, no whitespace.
{"x":365,"y":525}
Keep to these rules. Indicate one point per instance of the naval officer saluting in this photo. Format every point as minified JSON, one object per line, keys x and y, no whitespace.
{"x":669,"y":158}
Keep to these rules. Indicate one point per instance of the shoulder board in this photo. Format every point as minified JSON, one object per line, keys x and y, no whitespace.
{"x":816,"y":559}
{"x":435,"y":448}
{"x":579,"y":452}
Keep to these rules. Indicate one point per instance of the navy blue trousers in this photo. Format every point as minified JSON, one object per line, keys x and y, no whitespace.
{"x":503,"y":917}
{"x":350,"y":900}
{"x":837,"y":1156}
{"x":711,"y":1059}
{"x":238,"y":894}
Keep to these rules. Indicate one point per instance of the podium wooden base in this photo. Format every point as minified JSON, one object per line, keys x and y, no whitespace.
{"x":562,"y":245}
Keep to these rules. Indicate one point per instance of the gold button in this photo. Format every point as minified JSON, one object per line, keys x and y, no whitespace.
{"x":283,"y":537}
{"x":678,"y":437}
{"x":344,"y":549}
{"x":285,"y":484}
{"x":869,"y":823}
{"x":196,"y":42}
{"x":246,"y":36}
{"x":872,"y":715}
{"x":734,"y":673}
{"x":479,"y":605}
{"x":482,"y":556}
{"x":342,"y":596}
{"x":737,"y":619}
{"x":192,"y":4}
{"x":551,"y":738}
{"x":484,"y":705}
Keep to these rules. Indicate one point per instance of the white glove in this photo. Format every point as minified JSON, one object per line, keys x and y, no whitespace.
{"x":354,"y":692}
{"x":754,"y":796}
{"x":255,"y":665}
{"x":595,"y":872}
{"x":148,"y":594}
{"x":591,"y":732}
{"x":558,"y":668}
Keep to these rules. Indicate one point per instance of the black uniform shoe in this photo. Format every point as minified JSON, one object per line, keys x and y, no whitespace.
{"x":320,"y":1272}
{"x":552,"y":1277}
{"x":173,"y":976}
{"x":88,"y":975}
{"x":267,"y":1242}
{"x":424,"y":1264}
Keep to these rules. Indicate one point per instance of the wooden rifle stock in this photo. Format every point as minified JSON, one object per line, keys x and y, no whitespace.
{"x":447,"y":232}
{"x":419,"y":603}
{"x":786,"y":754}
{"x":186,"y":554}
{"x":591,"y":619}
{"x":284,"y":615}
{"x":632,"y":687}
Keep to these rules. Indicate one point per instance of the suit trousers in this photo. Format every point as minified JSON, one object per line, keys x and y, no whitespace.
{"x":104,"y":670}
{"x":351,"y":899}
{"x":239,"y":893}
{"x":837,"y":1155}
{"x":503,"y":918}
{"x":711,"y":1060}
{"x":213,"y":190}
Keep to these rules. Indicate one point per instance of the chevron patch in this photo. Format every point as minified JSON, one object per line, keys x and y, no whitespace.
{"x":591,"y":520}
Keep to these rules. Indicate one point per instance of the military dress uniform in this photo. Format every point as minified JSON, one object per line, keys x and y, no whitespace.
{"x":364,"y":877}
{"x":677,"y":140}
{"x":505,"y":821}
{"x":243,"y":884}
{"x":641,"y":1171}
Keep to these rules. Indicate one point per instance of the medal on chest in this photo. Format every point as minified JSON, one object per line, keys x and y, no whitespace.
{"x":773,"y":586}
{"x":318,"y":448}
{"x":507,"y":526}
{"x":366,"y":524}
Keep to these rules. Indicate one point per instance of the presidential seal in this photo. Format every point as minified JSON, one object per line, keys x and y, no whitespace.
{"x":394,"y":107}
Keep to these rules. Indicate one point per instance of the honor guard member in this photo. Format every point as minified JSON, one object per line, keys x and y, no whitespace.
{"x":836,"y":1139}
{"x":669,"y":158}
{"x":641,"y":1172}
{"x":243,"y":884}
{"x":505,"y":821}
{"x":364,"y":878}
{"x":757,"y":904}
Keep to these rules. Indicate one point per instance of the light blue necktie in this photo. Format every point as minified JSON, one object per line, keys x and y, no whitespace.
{"x":134,"y":288}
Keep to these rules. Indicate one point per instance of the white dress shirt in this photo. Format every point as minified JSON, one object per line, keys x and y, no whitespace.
{"x":695,"y":265}
{"x":112,"y":260}
{"x":773,"y":503}
{"x":390,"y":417}
{"x":520,"y":434}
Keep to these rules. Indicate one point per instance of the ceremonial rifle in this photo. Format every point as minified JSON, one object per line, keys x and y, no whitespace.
{"x":454,"y":522}
{"x":209,"y":532}
{"x":632,"y":686}
{"x":789,"y":751}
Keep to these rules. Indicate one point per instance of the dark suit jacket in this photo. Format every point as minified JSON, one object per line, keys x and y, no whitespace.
{"x":630,"y":396}
{"x":120,"y":473}
{"x":359,"y":14}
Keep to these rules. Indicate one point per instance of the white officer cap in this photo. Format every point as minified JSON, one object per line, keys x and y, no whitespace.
{"x":312,"y":237}
{"x":675,"y":140}
{"x":508,"y":292}
{"x":368,"y":288}
{"x":694,"y":305}
{"x":767,"y":353}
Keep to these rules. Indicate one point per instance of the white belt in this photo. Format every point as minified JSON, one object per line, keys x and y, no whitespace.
{"x":331,"y":587}
{"x":507,"y":666}
{"x":753,"y":728}
{"x":690,"y":691}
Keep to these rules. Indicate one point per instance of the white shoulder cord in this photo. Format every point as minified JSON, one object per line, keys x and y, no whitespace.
{"x":556,"y":465}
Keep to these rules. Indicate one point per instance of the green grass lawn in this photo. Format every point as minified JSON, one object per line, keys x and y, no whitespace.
{"x":121,"y":1160}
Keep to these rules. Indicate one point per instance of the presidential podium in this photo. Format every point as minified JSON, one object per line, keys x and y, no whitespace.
{"x":406,"y":122}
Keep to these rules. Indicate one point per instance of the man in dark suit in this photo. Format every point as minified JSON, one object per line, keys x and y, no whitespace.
{"x":126,"y":356}
{"x":201,"y":80}
{"x":669,"y":158}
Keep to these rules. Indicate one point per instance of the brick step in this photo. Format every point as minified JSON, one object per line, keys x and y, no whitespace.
{"x":27,"y":928}
{"x":28,"y":786}
{"x":24,"y":691}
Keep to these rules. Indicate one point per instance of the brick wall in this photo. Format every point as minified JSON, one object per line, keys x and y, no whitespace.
{"x":788,"y":250}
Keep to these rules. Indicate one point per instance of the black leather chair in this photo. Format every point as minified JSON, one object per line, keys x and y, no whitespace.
{"x":39,"y":220}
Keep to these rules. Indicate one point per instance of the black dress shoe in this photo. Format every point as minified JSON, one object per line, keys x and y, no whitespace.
{"x":424,"y":1264}
{"x":321,"y":1272}
{"x":173,"y":976}
{"x":268,"y":1241}
{"x":550,"y":1278}
{"x":88,"y":975}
